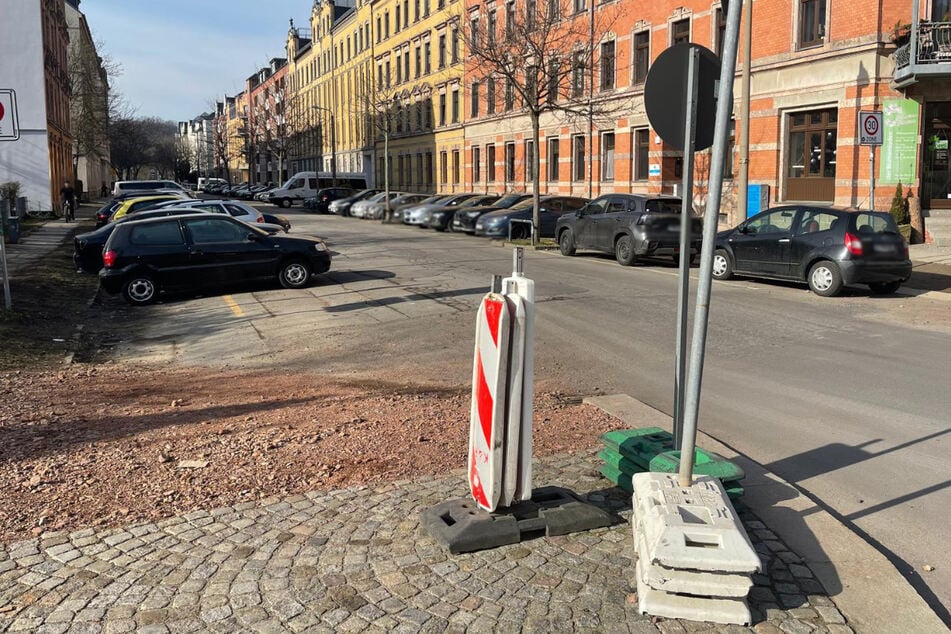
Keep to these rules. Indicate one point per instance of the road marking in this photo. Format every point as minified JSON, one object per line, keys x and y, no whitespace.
{"x":233,"y":305}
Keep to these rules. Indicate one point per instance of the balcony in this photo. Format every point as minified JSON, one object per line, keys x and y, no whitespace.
{"x":931,"y":42}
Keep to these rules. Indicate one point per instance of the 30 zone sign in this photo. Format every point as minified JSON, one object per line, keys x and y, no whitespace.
{"x":870,"y":128}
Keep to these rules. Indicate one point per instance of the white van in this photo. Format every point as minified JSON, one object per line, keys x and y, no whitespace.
{"x":205,"y":182}
{"x":298,"y":187}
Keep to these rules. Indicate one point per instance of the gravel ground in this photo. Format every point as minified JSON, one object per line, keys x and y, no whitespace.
{"x":94,"y":446}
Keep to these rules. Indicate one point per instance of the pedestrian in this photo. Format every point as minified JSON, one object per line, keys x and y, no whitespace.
{"x":68,"y":197}
{"x":103,"y":191}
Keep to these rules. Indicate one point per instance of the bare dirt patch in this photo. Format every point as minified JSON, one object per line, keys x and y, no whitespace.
{"x":115,"y":444}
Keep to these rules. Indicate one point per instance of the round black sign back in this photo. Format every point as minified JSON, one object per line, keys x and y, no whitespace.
{"x":665,"y":95}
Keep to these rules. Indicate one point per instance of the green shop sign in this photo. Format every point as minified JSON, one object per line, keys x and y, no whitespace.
{"x":899,"y":142}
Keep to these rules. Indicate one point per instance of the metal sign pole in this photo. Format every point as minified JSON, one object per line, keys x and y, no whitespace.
{"x":686,"y":206}
{"x":871,"y":178}
{"x":711,"y":216}
{"x":7,"y":301}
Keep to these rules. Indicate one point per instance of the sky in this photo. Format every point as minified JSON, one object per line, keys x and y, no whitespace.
{"x":178,"y":56}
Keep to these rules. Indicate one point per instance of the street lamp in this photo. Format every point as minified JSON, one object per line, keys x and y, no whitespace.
{"x":333,"y":144}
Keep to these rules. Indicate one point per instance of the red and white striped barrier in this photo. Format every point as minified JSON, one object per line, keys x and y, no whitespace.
{"x":487,"y":414}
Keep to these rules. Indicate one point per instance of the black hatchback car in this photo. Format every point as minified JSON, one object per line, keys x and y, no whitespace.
{"x":823,"y":247}
{"x":144,"y":257}
{"x":630,"y":226}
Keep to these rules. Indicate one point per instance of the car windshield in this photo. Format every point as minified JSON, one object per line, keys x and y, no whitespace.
{"x":875,"y":223}
{"x":663,"y":206}
{"x":508,"y":201}
{"x":378,"y":197}
{"x":478,"y":200}
{"x":431,"y":200}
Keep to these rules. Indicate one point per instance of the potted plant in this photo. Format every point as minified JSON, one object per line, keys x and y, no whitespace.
{"x":901,"y":34}
{"x":899,"y":211}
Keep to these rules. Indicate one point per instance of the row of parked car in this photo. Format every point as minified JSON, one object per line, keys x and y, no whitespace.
{"x":243,"y":191}
{"x":823,"y":247}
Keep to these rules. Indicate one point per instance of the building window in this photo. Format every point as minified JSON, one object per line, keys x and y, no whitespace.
{"x":509,"y":163}
{"x":642,"y":55}
{"x":554,"y":10}
{"x":406,"y":63}
{"x":428,"y":167}
{"x":386,"y":25}
{"x":554,"y":76}
{"x":416,"y":11}
{"x":812,"y":21}
{"x":454,"y":45}
{"x":476,"y":164}
{"x":396,"y":28}
{"x":553,"y":155}
{"x":812,"y":144}
{"x":379,"y":28}
{"x":490,"y":29}
{"x":427,"y":57}
{"x":455,"y":167}
{"x":490,"y":163}
{"x":474,"y":33}
{"x":721,"y":31}
{"x":490,"y":95}
{"x":577,"y":74}
{"x":730,"y":147}
{"x":419,"y":61}
{"x":577,"y":157}
{"x":607,"y":156}
{"x":443,"y":168}
{"x":509,"y":94}
{"x":680,"y":31}
{"x":455,"y":106}
{"x":529,"y":161}
{"x":474,"y":101}
{"x":426,"y":14}
{"x":580,"y":5}
{"x":442,"y":51}
{"x":442,"y":109}
{"x":641,"y":161}
{"x":510,"y":20}
{"x":607,"y":66}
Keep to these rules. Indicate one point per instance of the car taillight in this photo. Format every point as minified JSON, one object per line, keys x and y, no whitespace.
{"x":100,"y":217}
{"x":108,"y":259}
{"x":853,"y":244}
{"x":260,"y":219}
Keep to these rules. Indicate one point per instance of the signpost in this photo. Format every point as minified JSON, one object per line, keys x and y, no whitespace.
{"x":9,"y":131}
{"x":870,"y":134}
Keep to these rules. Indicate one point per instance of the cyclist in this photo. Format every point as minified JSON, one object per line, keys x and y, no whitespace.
{"x":68,"y":196}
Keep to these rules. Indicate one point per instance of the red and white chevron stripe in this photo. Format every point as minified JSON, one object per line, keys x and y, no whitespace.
{"x":487,"y":414}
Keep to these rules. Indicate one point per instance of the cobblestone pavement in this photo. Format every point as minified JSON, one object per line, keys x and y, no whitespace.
{"x":355,"y":560}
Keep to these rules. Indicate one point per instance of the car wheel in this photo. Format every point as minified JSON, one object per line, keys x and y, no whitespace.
{"x":566,"y":242}
{"x":139,"y":290}
{"x":624,"y":251}
{"x":722,"y":265}
{"x":520,"y":232}
{"x":825,"y":279}
{"x":294,"y":274}
{"x":885,"y":288}
{"x":285,"y":202}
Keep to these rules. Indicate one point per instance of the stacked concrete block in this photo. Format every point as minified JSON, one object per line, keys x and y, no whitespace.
{"x":694,"y":559}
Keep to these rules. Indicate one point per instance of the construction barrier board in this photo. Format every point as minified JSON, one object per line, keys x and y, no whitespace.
{"x":524,"y":288}
{"x":710,"y":584}
{"x":692,"y":527}
{"x":487,"y":413}
{"x":693,"y":608}
{"x":516,"y":392}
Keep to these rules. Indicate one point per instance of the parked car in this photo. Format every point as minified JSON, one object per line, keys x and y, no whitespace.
{"x":464,"y":219}
{"x":143,"y":258}
{"x":134,"y":204}
{"x":87,"y":247}
{"x":234,"y":208}
{"x":321,"y":202}
{"x":358,"y":209}
{"x":375,"y":211}
{"x":416,"y":215}
{"x":341,"y":206}
{"x":823,"y":247}
{"x":440,"y":218}
{"x":630,"y":226}
{"x":264,"y":194}
{"x":495,"y":224}
{"x":124,"y":187}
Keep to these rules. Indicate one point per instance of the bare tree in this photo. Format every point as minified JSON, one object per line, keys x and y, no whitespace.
{"x":381,"y":112}
{"x":278,"y":129}
{"x":542,"y":57}
{"x":138,"y":143}
{"x":221,"y":143}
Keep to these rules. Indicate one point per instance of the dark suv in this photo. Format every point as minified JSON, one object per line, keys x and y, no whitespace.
{"x":628,"y":225}
{"x":144,"y":257}
{"x":826,"y":248}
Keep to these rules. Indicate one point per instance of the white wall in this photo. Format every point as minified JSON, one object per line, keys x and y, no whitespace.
{"x":26,"y":160}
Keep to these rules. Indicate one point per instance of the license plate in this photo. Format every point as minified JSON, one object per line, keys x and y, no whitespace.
{"x":884,"y":248}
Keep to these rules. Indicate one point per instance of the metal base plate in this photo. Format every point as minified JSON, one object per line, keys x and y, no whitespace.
{"x":461,"y":527}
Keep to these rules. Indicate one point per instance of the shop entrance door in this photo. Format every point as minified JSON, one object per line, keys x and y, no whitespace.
{"x":936,"y":178}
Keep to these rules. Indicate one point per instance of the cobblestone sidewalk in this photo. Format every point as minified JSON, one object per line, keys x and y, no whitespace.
{"x":355,"y":560}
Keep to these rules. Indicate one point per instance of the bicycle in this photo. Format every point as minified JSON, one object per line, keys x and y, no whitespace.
{"x":69,"y":210}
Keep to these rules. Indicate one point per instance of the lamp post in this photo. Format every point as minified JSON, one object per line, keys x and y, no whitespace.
{"x":333,"y":144}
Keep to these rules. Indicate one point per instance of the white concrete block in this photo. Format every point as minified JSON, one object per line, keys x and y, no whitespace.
{"x":712,"y":584}
{"x":682,"y":606}
{"x":692,"y":528}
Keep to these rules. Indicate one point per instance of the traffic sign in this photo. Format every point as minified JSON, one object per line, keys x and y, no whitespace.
{"x":9,"y":128}
{"x":870,"y":128}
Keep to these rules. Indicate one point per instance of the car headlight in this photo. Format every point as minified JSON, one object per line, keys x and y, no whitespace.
{"x":320,"y":246}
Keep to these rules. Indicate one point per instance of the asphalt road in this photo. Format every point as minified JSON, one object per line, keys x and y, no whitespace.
{"x":846,"y":397}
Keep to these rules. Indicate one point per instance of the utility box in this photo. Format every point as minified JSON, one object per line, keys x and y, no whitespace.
{"x":757,"y":199}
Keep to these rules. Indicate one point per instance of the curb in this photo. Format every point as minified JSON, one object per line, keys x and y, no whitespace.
{"x":865,"y":586}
